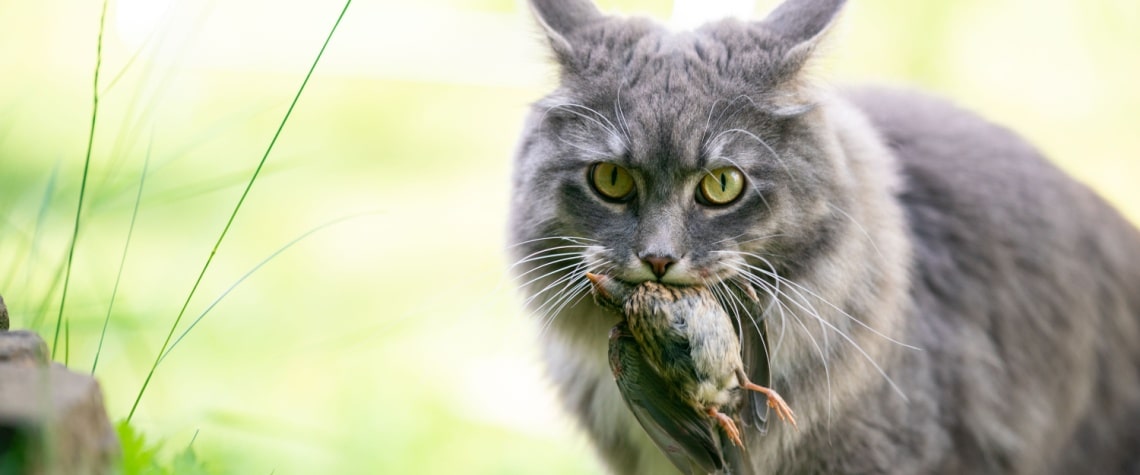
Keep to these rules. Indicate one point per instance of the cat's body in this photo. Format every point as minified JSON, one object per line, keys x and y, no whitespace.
{"x":893,"y":221}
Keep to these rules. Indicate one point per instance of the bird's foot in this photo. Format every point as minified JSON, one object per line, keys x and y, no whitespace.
{"x":776,"y":403}
{"x":728,"y":425}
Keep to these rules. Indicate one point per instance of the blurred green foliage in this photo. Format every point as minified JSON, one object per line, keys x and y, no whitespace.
{"x":393,"y":342}
{"x":141,"y":457}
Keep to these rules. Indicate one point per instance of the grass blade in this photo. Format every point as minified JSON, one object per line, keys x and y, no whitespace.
{"x":83,"y":183}
{"x":237,"y":207}
{"x":255,"y":269}
{"x":123,"y":258}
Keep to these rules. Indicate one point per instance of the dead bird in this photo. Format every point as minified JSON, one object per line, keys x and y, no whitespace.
{"x":683,"y":432}
{"x":677,"y":348}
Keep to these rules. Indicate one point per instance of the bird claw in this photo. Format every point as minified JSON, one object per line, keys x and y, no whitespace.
{"x":728,"y":425}
{"x":776,"y":403}
{"x":782,"y":410}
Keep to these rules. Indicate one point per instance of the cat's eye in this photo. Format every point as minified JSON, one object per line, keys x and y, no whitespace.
{"x":722,"y":186}
{"x":611,"y":181}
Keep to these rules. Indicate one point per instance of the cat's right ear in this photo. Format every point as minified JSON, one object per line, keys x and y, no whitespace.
{"x":559,"y":19}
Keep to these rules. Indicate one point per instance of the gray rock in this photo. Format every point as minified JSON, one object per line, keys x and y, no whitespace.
{"x":22,"y":346}
{"x":3,"y":315}
{"x":52,"y":421}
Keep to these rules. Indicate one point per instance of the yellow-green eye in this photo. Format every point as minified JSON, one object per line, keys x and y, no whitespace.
{"x":722,"y":186}
{"x":611,"y":181}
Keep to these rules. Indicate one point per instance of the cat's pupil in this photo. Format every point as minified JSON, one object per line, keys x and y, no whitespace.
{"x":723,"y":182}
{"x":613,"y":176}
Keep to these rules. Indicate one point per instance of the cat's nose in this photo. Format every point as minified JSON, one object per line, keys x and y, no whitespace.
{"x":660,"y":264}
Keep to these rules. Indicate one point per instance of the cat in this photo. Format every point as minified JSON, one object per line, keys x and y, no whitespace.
{"x":939,"y":298}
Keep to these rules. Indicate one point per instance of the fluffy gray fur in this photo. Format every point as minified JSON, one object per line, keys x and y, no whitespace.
{"x":939,"y":298}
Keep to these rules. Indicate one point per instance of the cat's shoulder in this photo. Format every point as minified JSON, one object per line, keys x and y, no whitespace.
{"x":958,"y":158}
{"x":934,"y":127}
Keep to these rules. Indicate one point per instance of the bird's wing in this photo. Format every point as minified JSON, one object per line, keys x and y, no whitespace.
{"x":687,"y":436}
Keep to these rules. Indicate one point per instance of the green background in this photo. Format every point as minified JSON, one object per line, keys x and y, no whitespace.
{"x":393,"y":342}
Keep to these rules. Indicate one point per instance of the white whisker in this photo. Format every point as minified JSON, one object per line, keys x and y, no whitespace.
{"x":775,"y":155}
{"x":539,"y":254}
{"x":796,"y":286}
{"x":573,"y":239}
{"x":858,"y":348}
{"x":861,"y":228}
{"x":572,"y":257}
{"x":569,"y":275}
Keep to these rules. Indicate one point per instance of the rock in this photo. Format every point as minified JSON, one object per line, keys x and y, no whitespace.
{"x":24,"y":347}
{"x":52,"y":421}
{"x":3,"y":315}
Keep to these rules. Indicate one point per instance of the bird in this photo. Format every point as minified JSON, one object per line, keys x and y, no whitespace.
{"x":682,"y":431}
{"x":677,"y":363}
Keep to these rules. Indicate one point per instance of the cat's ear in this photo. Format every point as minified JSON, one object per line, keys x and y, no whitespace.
{"x":795,"y":28}
{"x":560,"y":18}
{"x":801,"y":25}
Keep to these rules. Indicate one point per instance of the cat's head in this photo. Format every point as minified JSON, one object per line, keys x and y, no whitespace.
{"x":684,"y":157}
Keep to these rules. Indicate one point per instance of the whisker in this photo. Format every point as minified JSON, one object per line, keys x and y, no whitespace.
{"x":768,"y":236}
{"x":567,"y":107}
{"x":573,"y":239}
{"x":795,"y":285}
{"x":777,"y":156}
{"x":861,"y":228}
{"x":751,"y":185}
{"x":735,"y":312}
{"x":584,"y":149}
{"x":562,"y":283}
{"x":756,"y":324}
{"x":767,"y":288}
{"x":569,"y":293}
{"x":858,"y":348}
{"x":572,"y":257}
{"x":708,"y":121}
{"x":541,"y":257}
{"x":569,"y":275}
{"x":549,"y":249}
{"x":621,"y":115}
{"x":774,"y":293}
{"x":728,"y":238}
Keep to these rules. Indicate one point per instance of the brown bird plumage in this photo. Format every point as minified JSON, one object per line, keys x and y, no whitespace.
{"x":685,"y":337}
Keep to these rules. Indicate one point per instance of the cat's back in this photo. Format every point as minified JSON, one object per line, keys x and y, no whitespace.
{"x":1026,"y":280}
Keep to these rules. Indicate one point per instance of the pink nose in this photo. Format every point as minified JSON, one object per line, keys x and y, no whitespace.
{"x":659,"y":264}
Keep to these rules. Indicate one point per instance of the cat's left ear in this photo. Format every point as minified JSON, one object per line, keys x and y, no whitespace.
{"x":793,"y":31}
{"x":801,"y":25}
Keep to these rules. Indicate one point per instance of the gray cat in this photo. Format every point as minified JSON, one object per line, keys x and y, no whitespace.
{"x":938,"y":297}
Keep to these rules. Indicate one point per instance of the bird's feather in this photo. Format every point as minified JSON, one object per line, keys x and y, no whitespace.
{"x":687,"y":436}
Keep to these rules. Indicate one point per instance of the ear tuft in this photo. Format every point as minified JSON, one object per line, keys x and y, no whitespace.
{"x":560,"y":18}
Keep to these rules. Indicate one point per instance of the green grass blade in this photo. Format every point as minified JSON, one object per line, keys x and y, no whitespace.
{"x":83,"y":183}
{"x":237,"y":207}
{"x":123,"y":258}
{"x":255,"y":269}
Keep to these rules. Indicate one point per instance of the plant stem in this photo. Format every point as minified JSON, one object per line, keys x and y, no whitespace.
{"x":83,"y":183}
{"x":233,"y":214}
{"x":123,"y":258}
